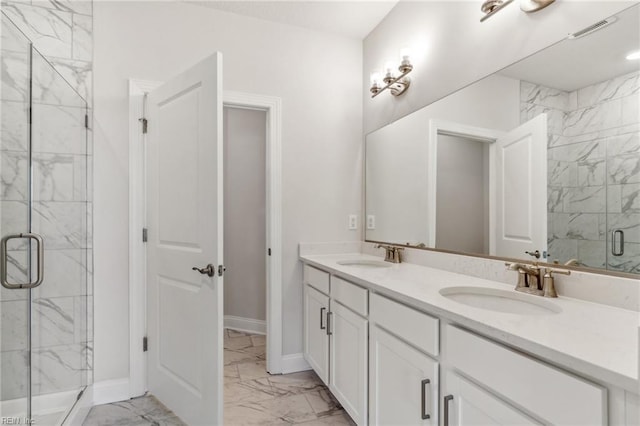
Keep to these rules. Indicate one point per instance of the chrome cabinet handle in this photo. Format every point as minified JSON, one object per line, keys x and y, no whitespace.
{"x":329,"y":315}
{"x":207,"y":270}
{"x":423,"y":393}
{"x":620,"y":233}
{"x":322,"y":327}
{"x":39,"y":263}
{"x":446,"y":409}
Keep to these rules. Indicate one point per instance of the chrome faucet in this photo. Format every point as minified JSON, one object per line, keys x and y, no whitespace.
{"x":531,"y":280}
{"x":392,"y":253}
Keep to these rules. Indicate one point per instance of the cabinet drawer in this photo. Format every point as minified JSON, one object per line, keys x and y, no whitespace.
{"x":350,"y":295}
{"x":417,"y":328}
{"x":555,"y":396}
{"x":316,"y":278}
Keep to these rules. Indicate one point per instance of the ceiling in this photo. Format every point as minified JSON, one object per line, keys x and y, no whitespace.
{"x":355,"y":19}
{"x":580,"y":62}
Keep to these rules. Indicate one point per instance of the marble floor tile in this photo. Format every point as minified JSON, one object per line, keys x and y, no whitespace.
{"x":259,"y":340}
{"x":291,"y":409}
{"x":237,"y":357}
{"x":323,"y":403}
{"x":248,"y":391}
{"x":252,"y":396}
{"x":231,"y":374}
{"x":252,"y":370}
{"x":145,"y":410}
{"x":259,"y":398}
{"x":247,"y":415}
{"x":237,"y":343}
{"x":339,"y":419}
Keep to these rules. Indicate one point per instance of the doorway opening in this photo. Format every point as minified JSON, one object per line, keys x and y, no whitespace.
{"x":245,"y":241}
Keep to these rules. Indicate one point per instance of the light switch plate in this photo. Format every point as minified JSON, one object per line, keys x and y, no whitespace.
{"x":353,"y":221}
{"x":371,"y":222}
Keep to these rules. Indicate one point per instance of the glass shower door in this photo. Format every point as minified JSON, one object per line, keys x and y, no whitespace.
{"x":59,"y":202}
{"x":15,"y":98}
{"x":45,"y":347}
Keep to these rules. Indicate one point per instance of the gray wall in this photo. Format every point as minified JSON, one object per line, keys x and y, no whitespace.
{"x":462,"y":207}
{"x":244,"y":213}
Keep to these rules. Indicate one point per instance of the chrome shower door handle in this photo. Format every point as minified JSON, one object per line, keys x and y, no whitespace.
{"x":39,"y":263}
{"x":620,"y":234}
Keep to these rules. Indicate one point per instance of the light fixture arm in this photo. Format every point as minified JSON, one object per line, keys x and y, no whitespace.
{"x":397,"y":85}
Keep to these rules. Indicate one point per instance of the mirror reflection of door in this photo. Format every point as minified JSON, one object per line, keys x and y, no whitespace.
{"x":490,"y":195}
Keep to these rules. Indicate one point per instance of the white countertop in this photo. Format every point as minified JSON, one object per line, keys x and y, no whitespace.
{"x":590,"y":339}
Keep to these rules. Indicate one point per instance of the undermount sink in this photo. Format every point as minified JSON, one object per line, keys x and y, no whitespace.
{"x":503,"y":301}
{"x":362,"y":263}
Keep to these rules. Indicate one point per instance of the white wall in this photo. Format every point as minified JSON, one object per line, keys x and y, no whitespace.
{"x":452,"y":48}
{"x":245,"y":284}
{"x":317,"y":76}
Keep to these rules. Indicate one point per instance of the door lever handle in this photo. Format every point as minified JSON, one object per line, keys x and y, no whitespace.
{"x":207,"y":270}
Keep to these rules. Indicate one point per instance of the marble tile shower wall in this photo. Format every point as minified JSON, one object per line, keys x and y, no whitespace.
{"x":593,"y":169}
{"x":61,"y":30}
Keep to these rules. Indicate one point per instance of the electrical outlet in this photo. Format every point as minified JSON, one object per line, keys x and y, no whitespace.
{"x":371,"y":222}
{"x":353,"y":221}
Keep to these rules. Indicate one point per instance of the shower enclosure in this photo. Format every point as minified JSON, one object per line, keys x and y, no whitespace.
{"x":45,"y":340}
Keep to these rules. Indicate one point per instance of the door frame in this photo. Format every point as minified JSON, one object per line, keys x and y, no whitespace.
{"x":480,"y":134}
{"x":137,"y":221}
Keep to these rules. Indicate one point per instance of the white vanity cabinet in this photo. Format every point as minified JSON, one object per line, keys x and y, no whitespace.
{"x":389,"y":363}
{"x":348,"y":361}
{"x":316,"y":339}
{"x":336,"y":338}
{"x":465,"y":403}
{"x":403,"y":378}
{"x":543,"y":394}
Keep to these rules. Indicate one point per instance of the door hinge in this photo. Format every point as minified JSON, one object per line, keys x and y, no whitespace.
{"x":269,"y":252}
{"x":86,"y":121}
{"x":145,"y":235}
{"x":80,"y":395}
{"x":145,"y":344}
{"x":145,"y":125}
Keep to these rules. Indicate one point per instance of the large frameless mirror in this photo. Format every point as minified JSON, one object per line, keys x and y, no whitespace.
{"x":539,"y":161}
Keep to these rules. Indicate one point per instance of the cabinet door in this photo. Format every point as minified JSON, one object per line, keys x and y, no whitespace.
{"x":472,"y":405}
{"x":348,"y":360}
{"x":403,"y":382}
{"x":316,"y":339}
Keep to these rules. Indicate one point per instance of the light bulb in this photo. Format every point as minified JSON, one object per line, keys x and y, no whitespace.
{"x":405,"y":54}
{"x":633,"y":55}
{"x":388,"y":67}
{"x":375,"y":78}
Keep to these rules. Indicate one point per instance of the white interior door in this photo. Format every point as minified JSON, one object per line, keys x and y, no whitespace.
{"x":184,"y":207}
{"x":521,"y":190}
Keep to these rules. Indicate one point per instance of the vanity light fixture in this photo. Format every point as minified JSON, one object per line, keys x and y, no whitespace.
{"x":397,"y":85}
{"x":491,"y":7}
{"x":633,"y":56}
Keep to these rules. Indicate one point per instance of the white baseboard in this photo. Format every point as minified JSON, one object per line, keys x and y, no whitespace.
{"x":294,"y":363}
{"x":247,"y":325}
{"x":108,"y":391}
{"x":58,"y":402}
{"x":81,"y":409}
